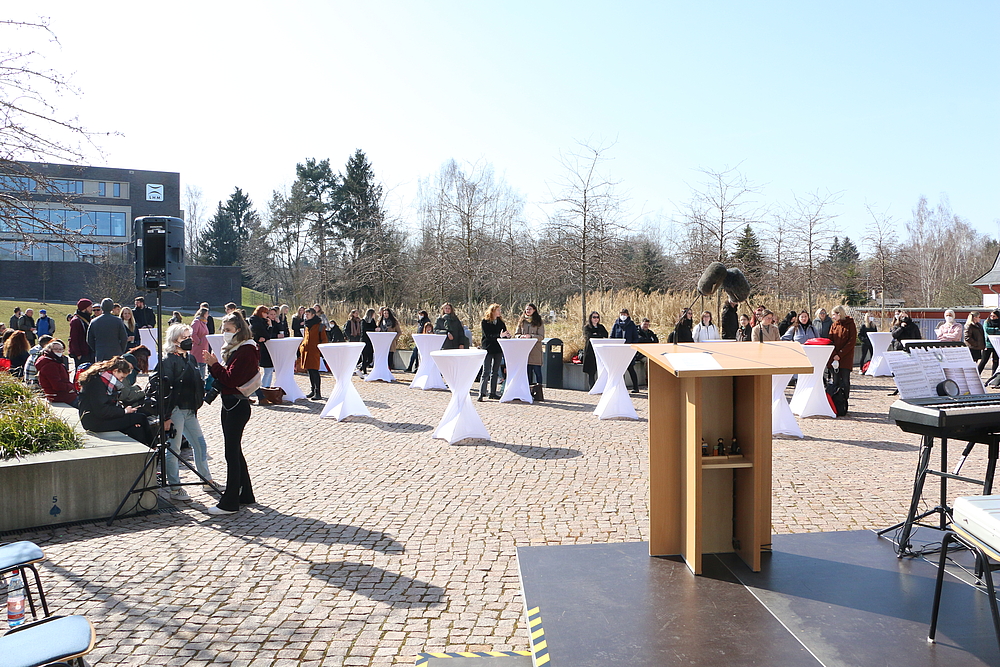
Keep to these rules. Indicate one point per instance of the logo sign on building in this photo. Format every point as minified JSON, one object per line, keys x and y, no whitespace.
{"x":154,"y":192}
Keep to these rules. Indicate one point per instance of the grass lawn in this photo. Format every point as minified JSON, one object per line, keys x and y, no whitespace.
{"x":57,"y":311}
{"x":252,"y":298}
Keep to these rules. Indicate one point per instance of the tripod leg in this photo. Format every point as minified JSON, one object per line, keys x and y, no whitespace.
{"x":991,"y":468}
{"x":926,"y":445}
{"x":965,"y":455}
{"x":142,"y":475}
{"x":943,"y":516}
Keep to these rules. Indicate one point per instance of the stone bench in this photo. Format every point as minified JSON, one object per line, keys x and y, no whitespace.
{"x":73,"y":485}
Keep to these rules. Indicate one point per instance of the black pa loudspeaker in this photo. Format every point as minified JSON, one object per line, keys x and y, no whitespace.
{"x":159,"y":253}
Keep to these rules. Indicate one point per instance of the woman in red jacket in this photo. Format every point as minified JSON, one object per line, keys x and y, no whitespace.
{"x":844,"y":336}
{"x":242,"y":364}
{"x":53,"y":377}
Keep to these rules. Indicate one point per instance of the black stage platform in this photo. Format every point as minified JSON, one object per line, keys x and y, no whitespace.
{"x":833,"y":599}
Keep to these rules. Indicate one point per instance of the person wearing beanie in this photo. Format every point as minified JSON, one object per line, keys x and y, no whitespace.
{"x":79,"y":324}
{"x":107,"y":335}
{"x":45,"y":325}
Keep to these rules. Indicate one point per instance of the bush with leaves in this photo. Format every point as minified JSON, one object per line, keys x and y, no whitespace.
{"x":27,"y":426}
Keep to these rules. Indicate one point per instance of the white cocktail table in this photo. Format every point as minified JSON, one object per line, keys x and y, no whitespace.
{"x":283,"y":351}
{"x":460,"y":420}
{"x":810,"y":398}
{"x":344,"y":401}
{"x":381,"y":340}
{"x":147,"y":337}
{"x":515,"y":356}
{"x":428,"y":376}
{"x":615,"y":401}
{"x":880,"y":341}
{"x":602,"y":374}
{"x":782,"y":420}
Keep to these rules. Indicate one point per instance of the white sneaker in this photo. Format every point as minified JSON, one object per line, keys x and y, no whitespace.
{"x":218,"y":511}
{"x":179,"y":494}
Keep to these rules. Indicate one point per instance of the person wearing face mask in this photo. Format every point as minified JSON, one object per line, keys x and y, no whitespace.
{"x":242,"y":364}
{"x":53,"y":377}
{"x":625,"y":328}
{"x":100,"y":410}
{"x":991,"y":327}
{"x":949,"y":330}
{"x":182,"y":390}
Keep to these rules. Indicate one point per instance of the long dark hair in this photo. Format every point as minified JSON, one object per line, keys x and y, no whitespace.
{"x":536,"y":319}
{"x":17,"y":344}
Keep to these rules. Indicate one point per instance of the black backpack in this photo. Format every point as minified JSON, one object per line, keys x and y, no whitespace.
{"x":836,"y":392}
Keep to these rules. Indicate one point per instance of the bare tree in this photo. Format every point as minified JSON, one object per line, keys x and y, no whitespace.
{"x":812,"y":222}
{"x":884,"y":263}
{"x":720,"y":208}
{"x":193,"y":211}
{"x":33,"y":129}
{"x":586,"y":225}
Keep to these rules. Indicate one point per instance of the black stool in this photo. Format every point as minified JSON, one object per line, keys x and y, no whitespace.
{"x":983,"y":553}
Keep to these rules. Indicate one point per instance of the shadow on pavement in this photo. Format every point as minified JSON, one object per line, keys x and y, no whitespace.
{"x":377,"y":584}
{"x":526,"y":451}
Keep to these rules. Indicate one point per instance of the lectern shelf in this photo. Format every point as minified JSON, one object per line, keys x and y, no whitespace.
{"x":697,"y":505}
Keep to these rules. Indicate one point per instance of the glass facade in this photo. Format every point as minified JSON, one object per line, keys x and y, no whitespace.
{"x":93,"y":223}
{"x":61,"y":252}
{"x":17,"y":184}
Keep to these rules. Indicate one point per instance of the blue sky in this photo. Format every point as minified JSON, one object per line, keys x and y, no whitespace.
{"x":883,"y":102}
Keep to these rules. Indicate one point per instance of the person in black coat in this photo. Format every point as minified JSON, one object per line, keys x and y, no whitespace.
{"x":907,"y":330}
{"x":449,"y":325}
{"x":422,"y":319}
{"x":626,"y":328}
{"x":591,"y":330}
{"x":262,"y":329}
{"x":182,"y":390}
{"x":297,"y":321}
{"x":368,"y":325}
{"x":100,"y":410}
{"x":866,"y":343}
{"x":683,"y":332}
{"x":144,"y":317}
{"x":730,"y":320}
{"x":494,"y":328}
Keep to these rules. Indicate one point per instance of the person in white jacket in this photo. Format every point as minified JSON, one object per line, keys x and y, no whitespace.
{"x":705,"y":331}
{"x":949,"y":330}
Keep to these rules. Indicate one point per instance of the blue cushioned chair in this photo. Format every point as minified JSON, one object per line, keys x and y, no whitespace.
{"x":23,"y":556}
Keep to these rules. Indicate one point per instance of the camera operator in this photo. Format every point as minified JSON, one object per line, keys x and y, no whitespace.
{"x":100,"y":409}
{"x":182,"y":390}
{"x":242,"y":363}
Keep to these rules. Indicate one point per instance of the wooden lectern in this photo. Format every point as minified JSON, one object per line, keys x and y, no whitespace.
{"x":707,"y":391}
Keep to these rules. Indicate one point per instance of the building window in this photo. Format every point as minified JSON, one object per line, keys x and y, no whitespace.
{"x":102,"y":189}
{"x":93,"y":223}
{"x":17,"y":184}
{"x":116,"y":189}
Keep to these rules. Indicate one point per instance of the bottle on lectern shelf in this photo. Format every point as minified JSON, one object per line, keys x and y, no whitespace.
{"x":15,"y":600}
{"x":735,"y":448}
{"x":704,"y":447}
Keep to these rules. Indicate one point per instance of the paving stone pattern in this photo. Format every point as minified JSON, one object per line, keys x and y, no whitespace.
{"x":372,"y":542}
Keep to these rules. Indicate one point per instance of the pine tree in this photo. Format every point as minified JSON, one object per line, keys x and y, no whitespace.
{"x":749,"y":257}
{"x":227,"y":232}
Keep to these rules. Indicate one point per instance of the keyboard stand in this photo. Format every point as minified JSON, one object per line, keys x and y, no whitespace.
{"x":943,"y":510}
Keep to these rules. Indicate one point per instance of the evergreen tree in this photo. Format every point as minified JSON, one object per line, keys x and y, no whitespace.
{"x":749,"y":257}
{"x":649,"y":272}
{"x":227,"y":232}
{"x":316,"y":187}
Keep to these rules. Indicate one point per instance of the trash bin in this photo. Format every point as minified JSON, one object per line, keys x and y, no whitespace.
{"x":552,"y":362}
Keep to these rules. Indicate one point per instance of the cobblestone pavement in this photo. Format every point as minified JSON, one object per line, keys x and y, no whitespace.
{"x":373,"y":542}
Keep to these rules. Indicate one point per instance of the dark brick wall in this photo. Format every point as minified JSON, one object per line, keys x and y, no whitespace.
{"x":70,"y":281}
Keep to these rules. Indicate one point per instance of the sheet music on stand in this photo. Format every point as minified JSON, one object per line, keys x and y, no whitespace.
{"x":918,"y":372}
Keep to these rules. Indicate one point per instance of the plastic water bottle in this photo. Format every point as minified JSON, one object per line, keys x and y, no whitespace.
{"x":15,"y":600}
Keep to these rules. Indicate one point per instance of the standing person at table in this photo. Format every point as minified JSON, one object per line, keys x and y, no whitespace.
{"x":449,"y":325}
{"x":531,"y":326}
{"x":949,"y":330}
{"x":131,"y":330}
{"x":705,"y":330}
{"x":242,"y":363}
{"x":493,"y":329}
{"x":844,"y":336}
{"x":591,"y":330}
{"x":745,"y":332}
{"x":79,"y":324}
{"x":199,"y":334}
{"x":352,"y":327}
{"x":297,"y":321}
{"x":822,"y":323}
{"x":387,"y":322}
{"x":625,"y":328}
{"x":283,"y":326}
{"x":262,"y":330}
{"x":322,"y":317}
{"x":766,"y":331}
{"x":144,"y":317}
{"x":866,"y":343}
{"x":683,"y":330}
{"x":991,"y":327}
{"x":368,"y":325}
{"x":313,"y":333}
{"x":279,"y":325}
{"x":800,"y":330}
{"x":183,"y":391}
{"x":422,"y":320}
